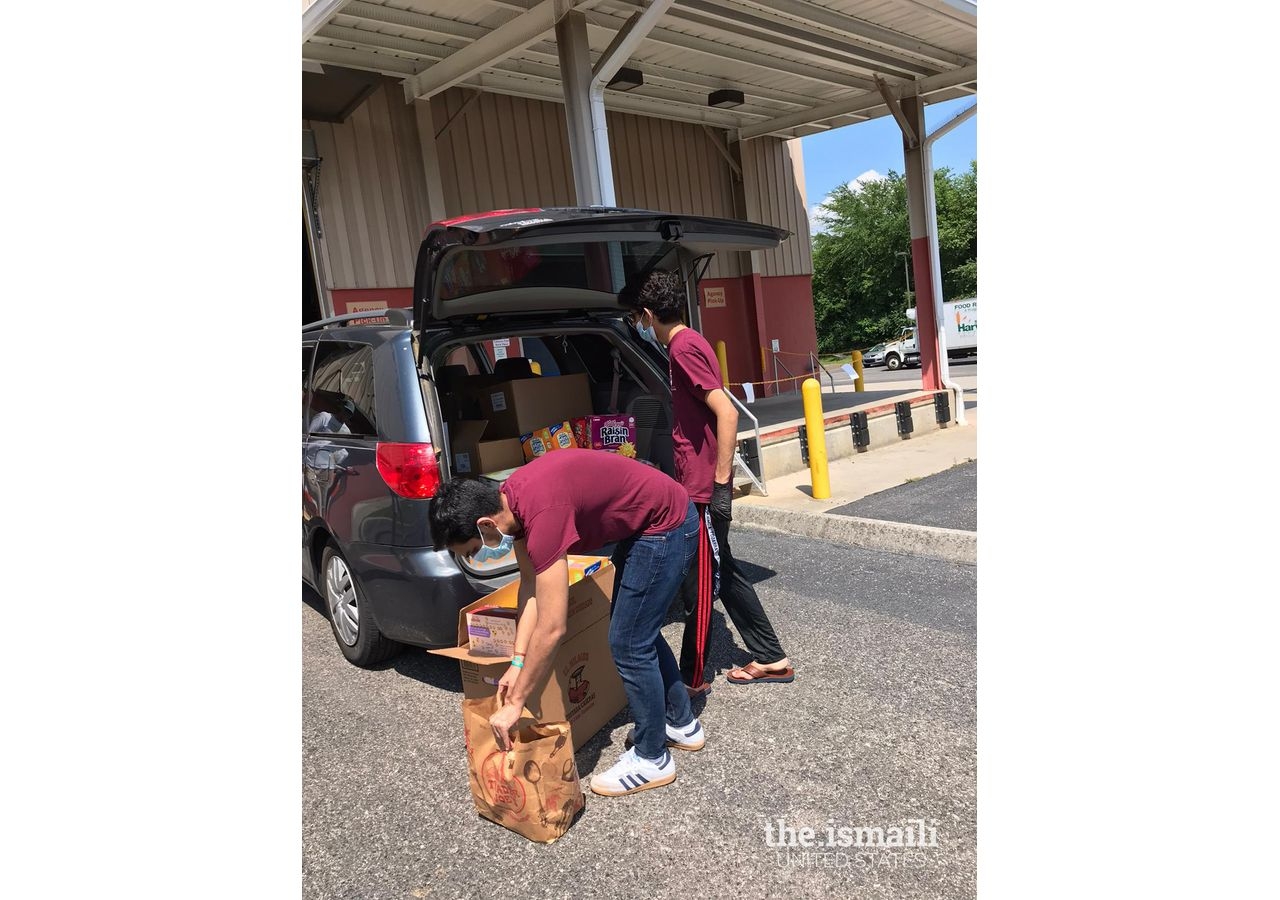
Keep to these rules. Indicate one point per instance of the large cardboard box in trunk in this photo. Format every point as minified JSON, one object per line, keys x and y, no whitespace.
{"x":476,"y":452}
{"x":583,"y":687}
{"x":522,"y":406}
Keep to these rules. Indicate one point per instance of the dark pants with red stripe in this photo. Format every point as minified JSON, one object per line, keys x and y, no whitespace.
{"x":736,"y":593}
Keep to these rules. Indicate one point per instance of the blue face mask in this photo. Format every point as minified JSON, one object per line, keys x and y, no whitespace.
{"x":489,"y":554}
{"x":647,"y":332}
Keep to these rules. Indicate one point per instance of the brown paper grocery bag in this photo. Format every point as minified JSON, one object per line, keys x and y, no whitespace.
{"x":533,"y":788}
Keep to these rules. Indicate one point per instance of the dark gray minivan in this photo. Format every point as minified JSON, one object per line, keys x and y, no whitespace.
{"x":514,"y":294}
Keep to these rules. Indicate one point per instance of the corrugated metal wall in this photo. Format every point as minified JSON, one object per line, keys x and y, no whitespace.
{"x":505,"y":152}
{"x":773,"y":170}
{"x":508,"y":152}
{"x":502,"y":153}
{"x":674,"y":167}
{"x":373,"y":201}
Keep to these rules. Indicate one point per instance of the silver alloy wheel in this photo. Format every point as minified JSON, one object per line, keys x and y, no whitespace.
{"x":344,"y":611}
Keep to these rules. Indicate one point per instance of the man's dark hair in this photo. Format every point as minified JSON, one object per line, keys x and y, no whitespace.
{"x":456,"y":507}
{"x":659,"y":291}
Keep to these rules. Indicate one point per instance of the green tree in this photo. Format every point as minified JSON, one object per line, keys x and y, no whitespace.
{"x":859,"y":290}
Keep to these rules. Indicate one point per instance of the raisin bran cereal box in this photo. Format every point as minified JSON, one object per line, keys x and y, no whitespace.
{"x":613,"y":433}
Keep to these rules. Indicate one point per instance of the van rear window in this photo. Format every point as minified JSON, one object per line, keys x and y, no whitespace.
{"x":602,"y":266}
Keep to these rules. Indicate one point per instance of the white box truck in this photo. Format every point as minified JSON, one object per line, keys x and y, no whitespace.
{"x":960,"y":321}
{"x":902,"y":350}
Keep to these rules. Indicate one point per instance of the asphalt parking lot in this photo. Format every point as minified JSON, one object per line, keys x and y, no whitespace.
{"x":878,"y":729}
{"x":946,"y":500}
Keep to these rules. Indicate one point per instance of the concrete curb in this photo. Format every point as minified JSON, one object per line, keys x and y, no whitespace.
{"x":872,"y":534}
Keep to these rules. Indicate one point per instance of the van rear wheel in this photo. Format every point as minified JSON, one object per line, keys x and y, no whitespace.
{"x":357,"y":634}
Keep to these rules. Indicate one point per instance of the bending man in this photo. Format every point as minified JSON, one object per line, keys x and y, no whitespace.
{"x":575,"y":501}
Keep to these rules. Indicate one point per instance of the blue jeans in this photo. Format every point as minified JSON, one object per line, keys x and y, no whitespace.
{"x":651,"y":569}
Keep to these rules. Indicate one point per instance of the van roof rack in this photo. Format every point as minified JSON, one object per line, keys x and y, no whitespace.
{"x":394,"y":316}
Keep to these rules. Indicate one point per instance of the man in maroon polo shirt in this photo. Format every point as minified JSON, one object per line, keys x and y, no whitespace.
{"x":578,"y":501}
{"x":704,"y":435}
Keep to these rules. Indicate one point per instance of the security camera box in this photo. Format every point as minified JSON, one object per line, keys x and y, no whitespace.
{"x":583,"y":687}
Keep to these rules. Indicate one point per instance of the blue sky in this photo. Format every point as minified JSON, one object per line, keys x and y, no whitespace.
{"x":842,"y":154}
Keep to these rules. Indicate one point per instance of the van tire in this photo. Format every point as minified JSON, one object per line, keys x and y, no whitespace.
{"x":892,"y":362}
{"x":371,"y":647}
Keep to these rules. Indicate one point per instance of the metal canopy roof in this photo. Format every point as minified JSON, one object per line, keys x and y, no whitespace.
{"x":803,"y":66}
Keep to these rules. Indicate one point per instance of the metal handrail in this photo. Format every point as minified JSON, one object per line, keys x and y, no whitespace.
{"x":737,"y":454}
{"x":791,"y":375}
{"x":813,"y":359}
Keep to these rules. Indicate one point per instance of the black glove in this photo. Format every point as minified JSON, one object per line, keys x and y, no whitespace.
{"x":722,"y":501}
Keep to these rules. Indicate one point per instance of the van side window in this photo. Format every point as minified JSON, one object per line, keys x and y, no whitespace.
{"x":342,"y":390}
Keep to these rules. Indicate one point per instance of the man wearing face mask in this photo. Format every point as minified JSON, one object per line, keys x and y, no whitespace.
{"x":577,"y":501}
{"x":704,"y":435}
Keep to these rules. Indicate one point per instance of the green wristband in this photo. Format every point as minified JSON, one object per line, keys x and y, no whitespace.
{"x":517,"y":661}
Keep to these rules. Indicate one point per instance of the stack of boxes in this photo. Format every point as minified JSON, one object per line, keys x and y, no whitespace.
{"x":524,"y":418}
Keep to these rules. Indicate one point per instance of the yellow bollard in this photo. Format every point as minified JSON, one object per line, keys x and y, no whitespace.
{"x":858,"y":384}
{"x":724,"y":364}
{"x":817,"y":434}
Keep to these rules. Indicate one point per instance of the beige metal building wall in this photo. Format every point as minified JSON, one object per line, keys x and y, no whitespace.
{"x":501,"y":152}
{"x":508,"y":152}
{"x":773,"y":170}
{"x":674,"y":167}
{"x":373,"y":199}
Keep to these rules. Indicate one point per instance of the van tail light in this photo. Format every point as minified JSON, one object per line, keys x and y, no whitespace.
{"x":411,"y":470}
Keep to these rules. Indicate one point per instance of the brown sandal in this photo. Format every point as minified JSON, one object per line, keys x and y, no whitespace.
{"x":757,"y":675}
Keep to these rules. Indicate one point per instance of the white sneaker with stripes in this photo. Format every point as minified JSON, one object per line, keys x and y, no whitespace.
{"x":632,"y":774}
{"x":689,"y":737}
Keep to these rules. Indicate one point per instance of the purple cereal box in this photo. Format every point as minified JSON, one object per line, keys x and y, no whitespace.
{"x":612,"y":432}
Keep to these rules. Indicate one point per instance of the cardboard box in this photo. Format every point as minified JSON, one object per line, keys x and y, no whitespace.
{"x":475,"y":452}
{"x":583,"y":687}
{"x":523,"y":406}
{"x":492,"y":631}
{"x":462,"y":399}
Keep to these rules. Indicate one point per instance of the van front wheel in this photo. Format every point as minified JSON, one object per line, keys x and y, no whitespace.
{"x":892,"y":363}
